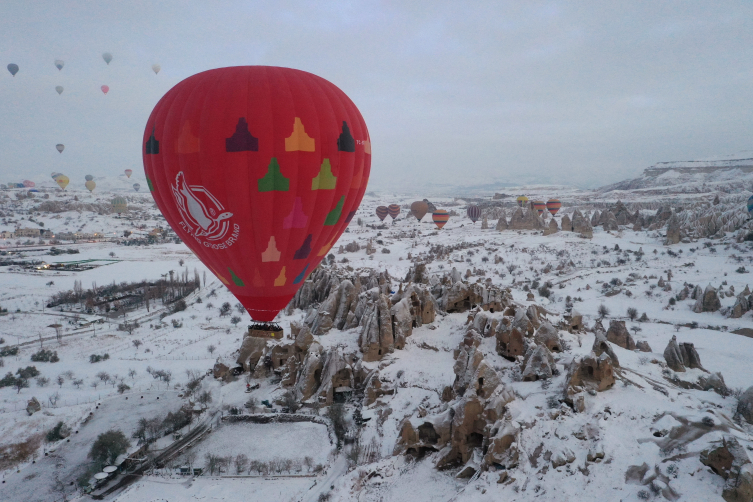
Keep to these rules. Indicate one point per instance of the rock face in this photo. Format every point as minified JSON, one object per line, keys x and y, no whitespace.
{"x":619,"y":335}
{"x":589,"y":373}
{"x":731,"y":462}
{"x":745,"y":405}
{"x":601,"y":346}
{"x":742,"y":304}
{"x":679,"y":357}
{"x":501,"y":223}
{"x":377,"y":339}
{"x":581,"y":225}
{"x":553,"y":228}
{"x":33,"y":406}
{"x":643,"y":346}
{"x":595,"y":218}
{"x":609,"y":221}
{"x":471,"y":370}
{"x":484,"y":224}
{"x":708,"y":301}
{"x":538,"y":364}
{"x":567,"y":225}
{"x":526,"y":220}
{"x":548,"y":336}
{"x":252,"y":348}
{"x":673,"y":230}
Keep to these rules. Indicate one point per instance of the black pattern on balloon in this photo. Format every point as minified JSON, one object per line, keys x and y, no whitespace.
{"x":152,"y":145}
{"x":346,"y":143}
{"x":304,"y":250}
{"x":242,"y":140}
{"x":350,"y":216}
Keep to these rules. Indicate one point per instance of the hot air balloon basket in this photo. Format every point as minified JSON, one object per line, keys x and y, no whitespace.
{"x":265,"y":330}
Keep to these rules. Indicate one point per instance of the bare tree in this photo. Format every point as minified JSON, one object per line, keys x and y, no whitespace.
{"x":211,"y":349}
{"x":632,"y":313}
{"x":241,"y":463}
{"x":60,"y":380}
{"x":603,"y":311}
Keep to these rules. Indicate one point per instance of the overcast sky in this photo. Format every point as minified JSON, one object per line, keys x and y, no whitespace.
{"x":581,"y":93}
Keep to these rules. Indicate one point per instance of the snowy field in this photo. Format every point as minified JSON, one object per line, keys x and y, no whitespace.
{"x":192,"y":340}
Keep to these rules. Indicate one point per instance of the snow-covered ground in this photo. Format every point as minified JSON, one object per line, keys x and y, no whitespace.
{"x":179,"y":343}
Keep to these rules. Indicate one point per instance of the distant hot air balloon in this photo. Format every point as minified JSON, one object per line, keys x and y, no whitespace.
{"x":88,"y":177}
{"x":28,"y":183}
{"x":105,"y":88}
{"x":381,"y":212}
{"x":540,"y":206}
{"x":119,"y":205}
{"x":440,"y":217}
{"x":59,"y":88}
{"x":156,"y":68}
{"x":62,"y":180}
{"x":299,"y":152}
{"x":107,"y":57}
{"x":60,"y":147}
{"x":522,"y":200}
{"x":419,"y":209}
{"x":393,"y":210}
{"x":136,"y":186}
{"x":128,"y":173}
{"x":553,"y":205}
{"x":474,"y":213}
{"x":90,"y":185}
{"x":13,"y":69}
{"x":59,"y":63}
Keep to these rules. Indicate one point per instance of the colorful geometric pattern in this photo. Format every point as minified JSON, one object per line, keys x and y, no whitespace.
{"x":393,"y":210}
{"x":522,"y":200}
{"x":381,"y":212}
{"x":539,"y":205}
{"x":553,"y":205}
{"x":440,"y":217}
{"x":287,"y":180}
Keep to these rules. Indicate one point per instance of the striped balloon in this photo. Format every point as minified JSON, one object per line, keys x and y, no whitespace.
{"x":539,"y":205}
{"x":440,"y":217}
{"x":553,"y":205}
{"x":750,"y":205}
{"x":393,"y":210}
{"x":381,"y":212}
{"x":474,"y":213}
{"x":522,"y":200}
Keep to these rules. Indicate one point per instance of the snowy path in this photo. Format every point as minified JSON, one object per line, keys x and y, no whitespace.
{"x":339,"y":467}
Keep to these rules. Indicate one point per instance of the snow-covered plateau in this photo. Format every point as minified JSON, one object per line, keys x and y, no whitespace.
{"x":601,"y":354}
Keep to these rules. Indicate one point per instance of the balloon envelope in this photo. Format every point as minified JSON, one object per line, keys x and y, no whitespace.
{"x":105,"y":89}
{"x":107,"y":57}
{"x":289,"y":156}
{"x":522,"y":200}
{"x":381,"y":212}
{"x":28,"y":183}
{"x":474,"y":213}
{"x":119,"y":205}
{"x":553,"y":205}
{"x":156,"y":68}
{"x":393,"y":210}
{"x":440,"y":217}
{"x":62,"y":180}
{"x":136,"y":186}
{"x":750,"y":205}
{"x":88,"y":177}
{"x":90,"y":185}
{"x":419,"y":209}
{"x":59,"y":63}
{"x":128,"y":173}
{"x":539,"y":205}
{"x":13,"y":69}
{"x":60,"y":147}
{"x":59,"y":88}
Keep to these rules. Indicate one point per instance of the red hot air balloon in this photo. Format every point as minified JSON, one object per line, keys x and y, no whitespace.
{"x":393,"y":210}
{"x":553,"y":205}
{"x":259,"y":170}
{"x":381,"y":212}
{"x":474,"y":213}
{"x":440,"y":217}
{"x":539,"y":205}
{"x":105,"y":88}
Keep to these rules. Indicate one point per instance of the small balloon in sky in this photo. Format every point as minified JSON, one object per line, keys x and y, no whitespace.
{"x":59,"y":63}
{"x":105,"y":88}
{"x":136,"y":186}
{"x":156,"y":68}
{"x":59,"y":88}
{"x":88,"y":177}
{"x":13,"y":69}
{"x":107,"y":57}
{"x":128,"y":173}
{"x":60,"y":147}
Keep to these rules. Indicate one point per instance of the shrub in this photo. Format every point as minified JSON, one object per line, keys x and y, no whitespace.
{"x":632,"y":313}
{"x":28,"y":372}
{"x":108,"y":446}
{"x":45,"y":356}
{"x":8,"y":351}
{"x":56,"y":433}
{"x":643,"y":318}
{"x":122,"y":387}
{"x":95,"y":358}
{"x":179,"y":306}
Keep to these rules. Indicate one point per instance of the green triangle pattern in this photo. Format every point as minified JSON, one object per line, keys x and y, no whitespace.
{"x":334,"y":215}
{"x":324,"y":180}
{"x":237,"y":280}
{"x":149,"y":184}
{"x":274,"y":180}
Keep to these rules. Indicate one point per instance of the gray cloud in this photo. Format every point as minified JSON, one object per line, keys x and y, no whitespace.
{"x":580,"y":93}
